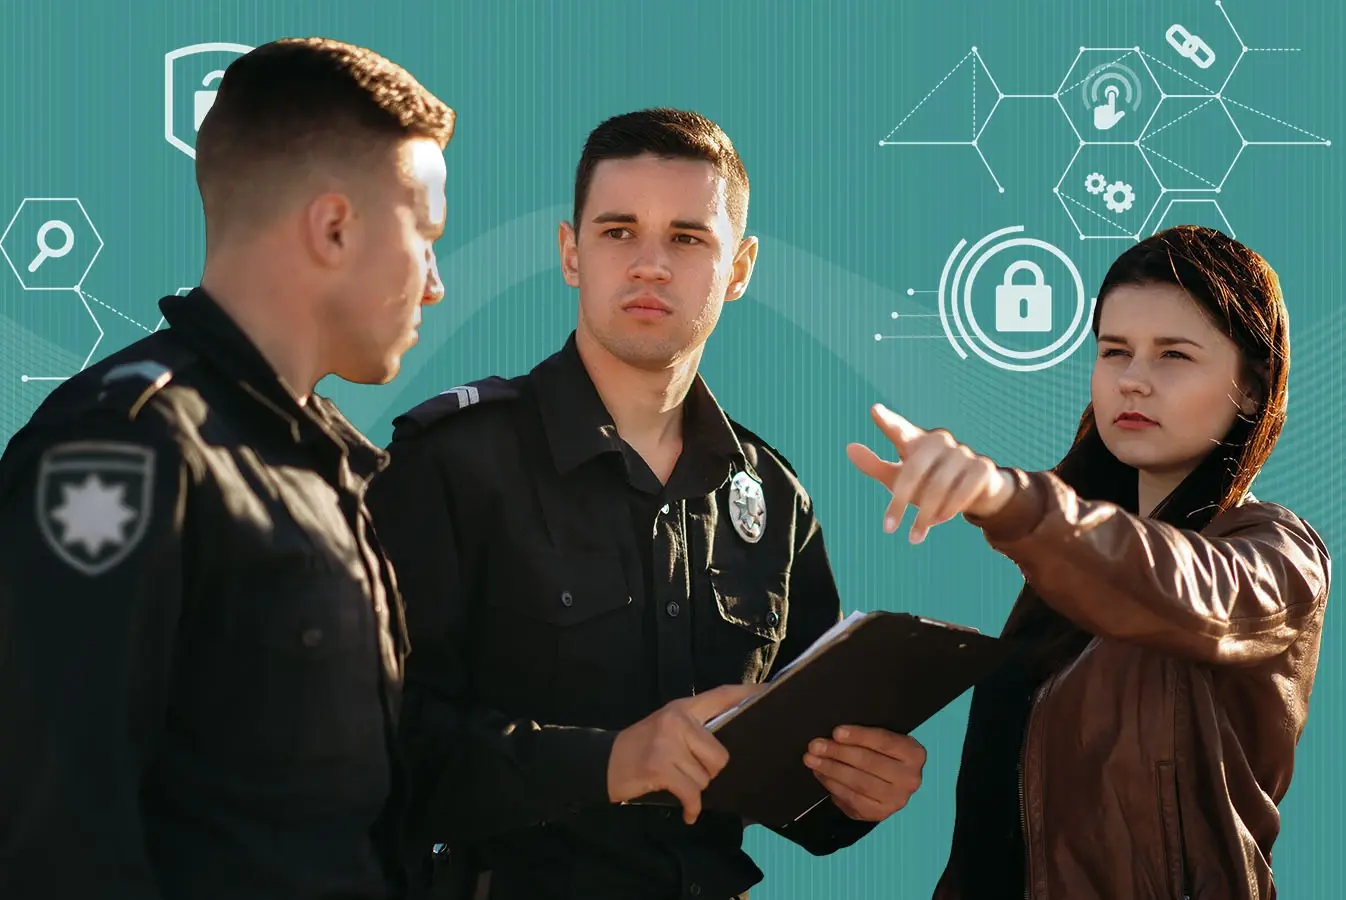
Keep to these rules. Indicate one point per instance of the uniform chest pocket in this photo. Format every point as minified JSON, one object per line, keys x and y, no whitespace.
{"x":557,"y":625}
{"x":753,"y":613}
{"x":296,"y":678}
{"x":756,"y":604}
{"x":301,"y":614}
{"x":559,"y":589}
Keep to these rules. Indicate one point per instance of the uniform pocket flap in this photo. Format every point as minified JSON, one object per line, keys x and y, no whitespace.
{"x":311,"y":613}
{"x":560,"y":588}
{"x":757,"y":605}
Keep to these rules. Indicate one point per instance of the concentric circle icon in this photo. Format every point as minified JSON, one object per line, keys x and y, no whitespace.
{"x":954,"y":288}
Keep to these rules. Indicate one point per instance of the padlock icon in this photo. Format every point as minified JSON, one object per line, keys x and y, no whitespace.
{"x":1023,"y":307}
{"x":205,"y":99}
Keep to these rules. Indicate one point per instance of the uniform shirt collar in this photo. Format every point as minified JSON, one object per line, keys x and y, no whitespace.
{"x":579,"y":427}
{"x":204,"y":326}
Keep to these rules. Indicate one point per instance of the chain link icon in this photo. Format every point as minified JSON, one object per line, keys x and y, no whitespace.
{"x":1190,"y":46}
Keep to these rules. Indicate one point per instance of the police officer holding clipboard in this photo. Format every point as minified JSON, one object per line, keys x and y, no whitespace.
{"x":596,"y":560}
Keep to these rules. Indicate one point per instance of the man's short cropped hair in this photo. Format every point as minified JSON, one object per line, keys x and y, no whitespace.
{"x":668,"y":134}
{"x":295,"y":106}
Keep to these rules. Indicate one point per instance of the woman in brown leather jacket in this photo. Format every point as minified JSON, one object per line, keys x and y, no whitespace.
{"x":1169,"y":624}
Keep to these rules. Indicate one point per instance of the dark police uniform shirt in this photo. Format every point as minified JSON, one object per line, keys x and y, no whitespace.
{"x":556,"y":593}
{"x":200,"y":643}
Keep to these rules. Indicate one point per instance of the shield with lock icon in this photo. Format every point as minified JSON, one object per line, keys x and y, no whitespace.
{"x":190,"y":77}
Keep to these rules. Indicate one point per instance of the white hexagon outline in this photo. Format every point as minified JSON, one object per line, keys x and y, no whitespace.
{"x":1229,"y":228}
{"x":181,"y":292}
{"x":82,"y":211}
{"x":975,"y":143}
{"x":1056,"y":191}
{"x":1001,"y":96}
{"x":1125,"y":51}
{"x":88,"y":356}
{"x":1243,"y":142}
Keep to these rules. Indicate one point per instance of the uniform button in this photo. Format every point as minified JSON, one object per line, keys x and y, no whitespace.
{"x":566,"y":599}
{"x":772,"y":619}
{"x":665,"y":509}
{"x":673,"y":608}
{"x":694,"y":889}
{"x":312,"y":637}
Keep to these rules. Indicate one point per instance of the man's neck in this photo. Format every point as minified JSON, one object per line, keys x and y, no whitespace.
{"x":252,"y":292}
{"x":646,"y":406}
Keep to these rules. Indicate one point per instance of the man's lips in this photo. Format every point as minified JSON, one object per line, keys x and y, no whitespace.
{"x":648,"y":304}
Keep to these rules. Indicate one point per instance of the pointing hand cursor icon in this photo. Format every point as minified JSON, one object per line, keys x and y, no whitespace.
{"x":1108,"y":115}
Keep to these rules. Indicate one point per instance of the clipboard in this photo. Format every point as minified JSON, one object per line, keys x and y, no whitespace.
{"x":881,"y":669}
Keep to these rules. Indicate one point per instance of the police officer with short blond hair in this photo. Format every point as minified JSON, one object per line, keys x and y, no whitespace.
{"x":201,"y":644}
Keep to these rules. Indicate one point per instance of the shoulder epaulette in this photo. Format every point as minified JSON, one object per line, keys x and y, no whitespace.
{"x":455,"y":399}
{"x":132,"y":384}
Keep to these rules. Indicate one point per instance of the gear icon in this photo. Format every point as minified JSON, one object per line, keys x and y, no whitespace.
{"x":1096,"y":183}
{"x":1119,"y":197}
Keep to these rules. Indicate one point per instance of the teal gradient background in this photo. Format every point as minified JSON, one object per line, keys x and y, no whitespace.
{"x":807,"y":91}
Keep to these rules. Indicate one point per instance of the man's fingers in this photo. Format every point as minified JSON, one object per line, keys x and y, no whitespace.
{"x":852,"y":802}
{"x":706,"y":750}
{"x":871,"y":464}
{"x":858,"y":772}
{"x":694,"y":771}
{"x":709,"y":704}
{"x":688,"y":794}
{"x":901,"y":747}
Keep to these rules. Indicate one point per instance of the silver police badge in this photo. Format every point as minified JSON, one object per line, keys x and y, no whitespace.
{"x":93,"y":502}
{"x":747,"y":507}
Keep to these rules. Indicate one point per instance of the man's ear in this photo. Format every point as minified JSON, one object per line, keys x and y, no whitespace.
{"x":328,"y":228}
{"x":567,"y":244}
{"x":744,"y":260}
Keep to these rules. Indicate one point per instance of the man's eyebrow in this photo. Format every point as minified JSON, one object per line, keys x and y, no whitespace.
{"x":607,"y":218}
{"x":1161,"y":341}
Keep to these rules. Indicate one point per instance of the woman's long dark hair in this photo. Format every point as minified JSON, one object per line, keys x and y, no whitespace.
{"x":1241,"y":294}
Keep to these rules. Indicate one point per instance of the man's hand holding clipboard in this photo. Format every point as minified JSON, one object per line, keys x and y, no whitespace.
{"x":870,"y":773}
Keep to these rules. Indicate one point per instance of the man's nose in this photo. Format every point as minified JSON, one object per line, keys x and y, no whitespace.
{"x":434,"y":286}
{"x":651,"y":262}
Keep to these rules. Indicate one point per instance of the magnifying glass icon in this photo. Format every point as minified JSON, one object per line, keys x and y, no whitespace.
{"x":45,"y":250}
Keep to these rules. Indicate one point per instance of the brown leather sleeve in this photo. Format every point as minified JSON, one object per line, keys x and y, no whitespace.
{"x":1237,"y":593}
